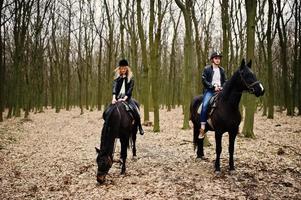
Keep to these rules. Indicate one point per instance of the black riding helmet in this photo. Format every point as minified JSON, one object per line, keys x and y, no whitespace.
{"x":215,"y":54}
{"x":123,"y":63}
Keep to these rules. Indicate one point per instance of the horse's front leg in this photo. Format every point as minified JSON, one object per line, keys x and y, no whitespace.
{"x":232,"y":136}
{"x":218,"y":150}
{"x":123,"y":154}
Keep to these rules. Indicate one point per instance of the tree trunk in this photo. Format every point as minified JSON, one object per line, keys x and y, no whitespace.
{"x":2,"y":67}
{"x":282,"y":33}
{"x":269,"y":62}
{"x":250,"y":100}
{"x":226,"y":31}
{"x":121,"y":28}
{"x":110,"y":53}
{"x":99,"y":76}
{"x":172,"y":66}
{"x":198,"y":51}
{"x":154,"y":63}
{"x":145,"y":67}
{"x":188,"y":57}
{"x":299,"y":61}
{"x":79,"y":60}
{"x":67,"y":56}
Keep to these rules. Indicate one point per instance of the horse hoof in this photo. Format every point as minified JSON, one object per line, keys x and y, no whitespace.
{"x":204,"y":158}
{"x":134,"y":158}
{"x":232,"y":172}
{"x":217,"y":173}
{"x":199,"y":158}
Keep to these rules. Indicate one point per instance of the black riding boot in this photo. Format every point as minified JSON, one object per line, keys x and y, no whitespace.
{"x":135,"y":110}
{"x":141,"y":131}
{"x":138,"y":120}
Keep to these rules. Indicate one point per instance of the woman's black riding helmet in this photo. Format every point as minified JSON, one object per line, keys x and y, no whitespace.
{"x":123,"y":63}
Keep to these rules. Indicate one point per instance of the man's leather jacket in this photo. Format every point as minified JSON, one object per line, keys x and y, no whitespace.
{"x":207,"y":77}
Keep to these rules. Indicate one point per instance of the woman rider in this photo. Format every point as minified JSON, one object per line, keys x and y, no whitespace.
{"x":123,"y":85}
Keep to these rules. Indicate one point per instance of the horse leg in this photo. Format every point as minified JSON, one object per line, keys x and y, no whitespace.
{"x":232,"y":136}
{"x":134,"y":136}
{"x":218,"y":150}
{"x":200,"y":148}
{"x":123,"y":154}
{"x":198,"y":142}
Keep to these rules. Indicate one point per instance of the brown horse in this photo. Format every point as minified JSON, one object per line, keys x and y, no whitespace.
{"x":120,"y":125}
{"x":226,"y":116}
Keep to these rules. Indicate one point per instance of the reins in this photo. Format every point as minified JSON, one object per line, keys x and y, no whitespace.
{"x":249,"y":86}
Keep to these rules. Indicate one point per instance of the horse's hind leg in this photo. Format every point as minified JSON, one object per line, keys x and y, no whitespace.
{"x":123,"y":154}
{"x":200,"y":149}
{"x":199,"y":142}
{"x":232,"y":136}
{"x":134,"y":137}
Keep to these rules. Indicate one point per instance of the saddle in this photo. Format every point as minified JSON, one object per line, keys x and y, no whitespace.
{"x":106,"y":114}
{"x":129,"y":109}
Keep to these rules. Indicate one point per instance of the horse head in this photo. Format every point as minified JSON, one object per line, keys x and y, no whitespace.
{"x":248,"y":79}
{"x":104,"y":163}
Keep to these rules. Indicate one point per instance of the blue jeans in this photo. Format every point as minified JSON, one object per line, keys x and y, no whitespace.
{"x":207,"y":95}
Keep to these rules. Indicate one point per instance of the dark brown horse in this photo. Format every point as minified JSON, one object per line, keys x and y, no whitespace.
{"x":226,"y":116}
{"x":120,"y":125}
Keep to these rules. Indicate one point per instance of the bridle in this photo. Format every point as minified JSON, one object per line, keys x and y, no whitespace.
{"x":249,"y":86}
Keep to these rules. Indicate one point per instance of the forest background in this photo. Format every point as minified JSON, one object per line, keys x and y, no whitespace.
{"x":62,"y":53}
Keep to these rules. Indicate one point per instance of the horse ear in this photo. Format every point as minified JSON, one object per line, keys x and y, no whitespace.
{"x":97,"y":150}
{"x":249,"y":64}
{"x":243,"y":64}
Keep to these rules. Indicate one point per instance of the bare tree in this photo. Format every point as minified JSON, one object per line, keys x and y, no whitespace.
{"x":21,"y":20}
{"x":145,"y":66}
{"x":283,"y":40}
{"x":270,"y":38}
{"x":250,"y":102}
{"x":2,"y":66}
{"x":226,"y":34}
{"x":110,"y":50}
{"x":173,"y":63}
{"x":188,"y":46}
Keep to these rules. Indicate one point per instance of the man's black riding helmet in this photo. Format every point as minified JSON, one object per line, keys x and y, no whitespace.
{"x":215,"y":54}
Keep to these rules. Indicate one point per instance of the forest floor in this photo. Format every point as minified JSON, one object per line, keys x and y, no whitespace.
{"x":52,"y":156}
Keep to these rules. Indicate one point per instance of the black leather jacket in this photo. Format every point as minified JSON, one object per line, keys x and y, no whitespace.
{"x":129,"y":85}
{"x":207,"y":77}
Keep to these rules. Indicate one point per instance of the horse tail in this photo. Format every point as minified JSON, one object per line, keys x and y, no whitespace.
{"x":195,"y":103}
{"x":194,"y":117}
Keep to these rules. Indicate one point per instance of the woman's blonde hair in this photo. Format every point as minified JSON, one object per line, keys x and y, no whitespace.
{"x":129,"y":73}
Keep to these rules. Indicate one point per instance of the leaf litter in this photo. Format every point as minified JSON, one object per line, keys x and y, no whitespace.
{"x":52,"y":156}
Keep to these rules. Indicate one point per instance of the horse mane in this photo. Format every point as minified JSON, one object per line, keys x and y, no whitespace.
{"x":228,"y":87}
{"x":108,"y":134}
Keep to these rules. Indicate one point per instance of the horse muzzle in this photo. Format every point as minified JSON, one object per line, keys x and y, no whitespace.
{"x":101,"y":178}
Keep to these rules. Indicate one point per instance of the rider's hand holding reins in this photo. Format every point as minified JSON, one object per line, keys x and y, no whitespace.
{"x":114,"y":99}
{"x":217,"y":88}
{"x":123,"y":99}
